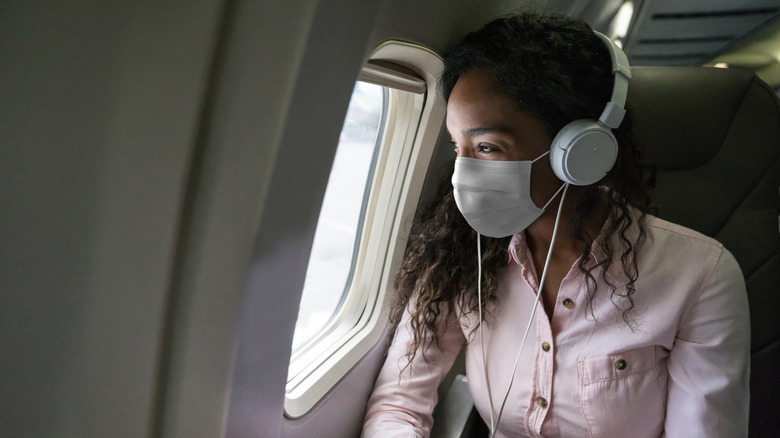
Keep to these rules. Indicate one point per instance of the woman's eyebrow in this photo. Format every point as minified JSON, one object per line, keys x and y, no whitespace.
{"x":473,"y":132}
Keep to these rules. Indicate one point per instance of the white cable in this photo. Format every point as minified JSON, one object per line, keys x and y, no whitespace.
{"x":481,"y":338}
{"x":494,"y":424}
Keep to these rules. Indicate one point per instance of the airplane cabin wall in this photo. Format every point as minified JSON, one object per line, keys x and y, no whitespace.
{"x":100,"y":103}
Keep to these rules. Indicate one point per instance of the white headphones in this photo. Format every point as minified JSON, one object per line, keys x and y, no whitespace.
{"x":585,"y":150}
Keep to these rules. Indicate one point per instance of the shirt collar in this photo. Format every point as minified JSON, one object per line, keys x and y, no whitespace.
{"x":518,"y":248}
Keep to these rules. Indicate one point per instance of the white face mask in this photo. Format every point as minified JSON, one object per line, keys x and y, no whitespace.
{"x":495,"y":196}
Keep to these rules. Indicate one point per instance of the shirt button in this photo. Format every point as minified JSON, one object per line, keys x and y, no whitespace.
{"x":545,"y":346}
{"x":568,"y":303}
{"x":620,"y":364}
{"x":541,"y":402}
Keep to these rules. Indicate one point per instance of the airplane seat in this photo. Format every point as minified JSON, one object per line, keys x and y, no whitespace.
{"x":714,"y":135}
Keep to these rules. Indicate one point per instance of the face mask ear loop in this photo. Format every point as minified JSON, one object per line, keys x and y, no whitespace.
{"x":481,"y":338}
{"x":533,"y":311}
{"x":553,"y":197}
{"x":539,"y":157}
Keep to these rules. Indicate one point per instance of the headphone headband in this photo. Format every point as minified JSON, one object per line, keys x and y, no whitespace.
{"x":615,"y":110}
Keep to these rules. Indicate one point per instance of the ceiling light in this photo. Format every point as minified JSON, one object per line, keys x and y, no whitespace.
{"x":618,"y":28}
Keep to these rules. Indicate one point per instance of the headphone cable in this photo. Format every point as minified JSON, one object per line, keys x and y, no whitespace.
{"x":494,"y":423}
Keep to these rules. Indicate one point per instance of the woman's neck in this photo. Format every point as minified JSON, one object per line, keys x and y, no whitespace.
{"x":567,"y":245}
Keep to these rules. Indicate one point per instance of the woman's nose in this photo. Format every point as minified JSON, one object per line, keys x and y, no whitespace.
{"x":464,"y":152}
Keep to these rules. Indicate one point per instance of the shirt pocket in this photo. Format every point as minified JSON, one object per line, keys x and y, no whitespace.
{"x":621,"y":393}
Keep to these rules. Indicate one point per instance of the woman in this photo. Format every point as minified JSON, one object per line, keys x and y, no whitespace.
{"x":642,"y":326}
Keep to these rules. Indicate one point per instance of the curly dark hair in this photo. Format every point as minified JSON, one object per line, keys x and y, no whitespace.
{"x":557,"y":70}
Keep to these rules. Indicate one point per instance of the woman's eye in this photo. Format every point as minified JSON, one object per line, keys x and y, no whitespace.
{"x":486,"y":149}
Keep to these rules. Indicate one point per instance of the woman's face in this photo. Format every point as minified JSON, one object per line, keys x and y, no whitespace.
{"x":485,"y":124}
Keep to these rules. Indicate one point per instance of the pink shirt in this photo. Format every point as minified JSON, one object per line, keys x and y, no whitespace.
{"x":683,"y":370}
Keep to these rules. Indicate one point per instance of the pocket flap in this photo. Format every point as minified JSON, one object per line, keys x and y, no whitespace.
{"x":617,"y":365}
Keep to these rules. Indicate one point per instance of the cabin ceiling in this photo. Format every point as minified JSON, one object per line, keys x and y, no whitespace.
{"x":669,"y":32}
{"x":740,"y":34}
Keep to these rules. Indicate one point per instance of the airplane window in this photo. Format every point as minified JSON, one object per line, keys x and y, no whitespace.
{"x":386,"y":143}
{"x":336,"y":239}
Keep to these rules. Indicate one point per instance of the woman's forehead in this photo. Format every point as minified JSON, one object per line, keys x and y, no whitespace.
{"x":478,"y":101}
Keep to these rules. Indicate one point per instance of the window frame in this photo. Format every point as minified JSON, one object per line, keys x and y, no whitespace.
{"x":412,"y":123}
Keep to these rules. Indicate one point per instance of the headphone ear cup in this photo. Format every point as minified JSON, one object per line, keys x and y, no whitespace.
{"x":583,"y":152}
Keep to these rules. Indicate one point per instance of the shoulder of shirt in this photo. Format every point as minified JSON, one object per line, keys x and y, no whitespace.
{"x":654,"y":224}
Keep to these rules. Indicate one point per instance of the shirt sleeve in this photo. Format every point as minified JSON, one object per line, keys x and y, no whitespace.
{"x":709,"y":364}
{"x":403,"y":399}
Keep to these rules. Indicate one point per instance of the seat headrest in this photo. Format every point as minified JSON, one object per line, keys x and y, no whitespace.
{"x":714,"y":135}
{"x":684,"y":116}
